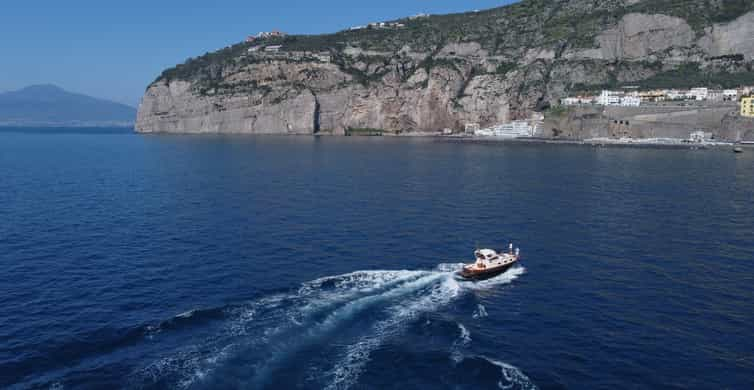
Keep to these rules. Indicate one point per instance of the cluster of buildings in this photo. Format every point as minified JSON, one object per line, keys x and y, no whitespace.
{"x":265,"y":35}
{"x":376,"y":25}
{"x":514,"y":129}
{"x":266,"y":49}
{"x":273,"y":50}
{"x":379,"y":25}
{"x":632,"y":97}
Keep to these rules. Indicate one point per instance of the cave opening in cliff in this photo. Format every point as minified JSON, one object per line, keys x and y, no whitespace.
{"x":316,"y":116}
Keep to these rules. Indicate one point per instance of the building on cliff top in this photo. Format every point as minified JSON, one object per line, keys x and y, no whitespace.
{"x":747,"y":107}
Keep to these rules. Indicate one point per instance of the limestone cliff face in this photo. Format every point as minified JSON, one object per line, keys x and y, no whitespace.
{"x":305,"y":98}
{"x":442,"y":72}
{"x":642,"y":37}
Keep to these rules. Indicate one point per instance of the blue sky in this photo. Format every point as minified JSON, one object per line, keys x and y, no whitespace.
{"x":113,"y":49}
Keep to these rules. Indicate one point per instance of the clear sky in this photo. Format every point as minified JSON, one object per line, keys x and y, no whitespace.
{"x":113,"y":49}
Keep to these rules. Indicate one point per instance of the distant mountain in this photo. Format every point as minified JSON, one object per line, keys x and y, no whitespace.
{"x":49,"y":105}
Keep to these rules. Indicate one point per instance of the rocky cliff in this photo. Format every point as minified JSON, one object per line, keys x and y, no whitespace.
{"x":444,"y":71}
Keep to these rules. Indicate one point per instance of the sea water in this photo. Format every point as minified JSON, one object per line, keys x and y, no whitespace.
{"x":197,"y":262}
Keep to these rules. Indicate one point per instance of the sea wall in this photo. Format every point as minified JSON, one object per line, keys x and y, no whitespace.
{"x":737,"y":128}
{"x":661,"y":121}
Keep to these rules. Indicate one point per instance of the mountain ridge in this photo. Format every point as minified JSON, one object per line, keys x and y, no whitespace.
{"x":48,"y":105}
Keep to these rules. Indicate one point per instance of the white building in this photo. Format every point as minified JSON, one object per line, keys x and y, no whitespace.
{"x":609,"y":98}
{"x":699,"y":93}
{"x":700,"y":137}
{"x":630,"y":101}
{"x":273,"y":48}
{"x":715,"y":96}
{"x":570,"y":101}
{"x":675,"y":94}
{"x":730,"y":94}
{"x":513,"y":129}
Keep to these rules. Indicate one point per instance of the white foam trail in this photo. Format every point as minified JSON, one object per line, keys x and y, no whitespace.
{"x":513,"y":375}
{"x":347,"y":371}
{"x":341,"y":314}
{"x":187,"y":314}
{"x":450,"y":267}
{"x":191,"y":362}
{"x":238,"y":327}
{"x":465,"y":335}
{"x":343,"y":297}
{"x":463,"y":341}
{"x":311,"y":297}
{"x":346,"y":287}
{"x":359,"y":280}
{"x":480,"y":312}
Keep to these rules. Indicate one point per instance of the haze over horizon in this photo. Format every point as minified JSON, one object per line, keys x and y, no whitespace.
{"x":113,"y":51}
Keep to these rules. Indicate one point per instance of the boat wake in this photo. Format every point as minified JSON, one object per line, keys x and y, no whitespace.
{"x":322,"y":335}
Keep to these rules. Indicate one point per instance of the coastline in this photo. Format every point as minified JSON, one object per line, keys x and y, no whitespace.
{"x":597,"y":143}
{"x":637,"y":144}
{"x":655,"y":143}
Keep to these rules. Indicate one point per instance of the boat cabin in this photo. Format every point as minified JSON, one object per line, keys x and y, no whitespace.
{"x":484,"y":256}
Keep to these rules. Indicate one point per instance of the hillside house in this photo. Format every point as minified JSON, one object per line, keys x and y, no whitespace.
{"x":747,"y":107}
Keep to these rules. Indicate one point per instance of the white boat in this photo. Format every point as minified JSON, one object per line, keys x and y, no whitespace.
{"x":490,"y":263}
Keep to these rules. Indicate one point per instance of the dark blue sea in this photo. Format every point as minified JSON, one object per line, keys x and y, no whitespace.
{"x":229,"y":262}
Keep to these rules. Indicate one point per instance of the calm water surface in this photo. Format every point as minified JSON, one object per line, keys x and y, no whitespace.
{"x":194,"y":262}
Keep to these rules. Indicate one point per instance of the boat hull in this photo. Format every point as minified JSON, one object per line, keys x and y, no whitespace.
{"x":485,"y":274}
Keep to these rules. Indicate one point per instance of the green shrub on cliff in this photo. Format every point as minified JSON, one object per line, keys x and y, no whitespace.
{"x":690,"y":75}
{"x":506,"y":31}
